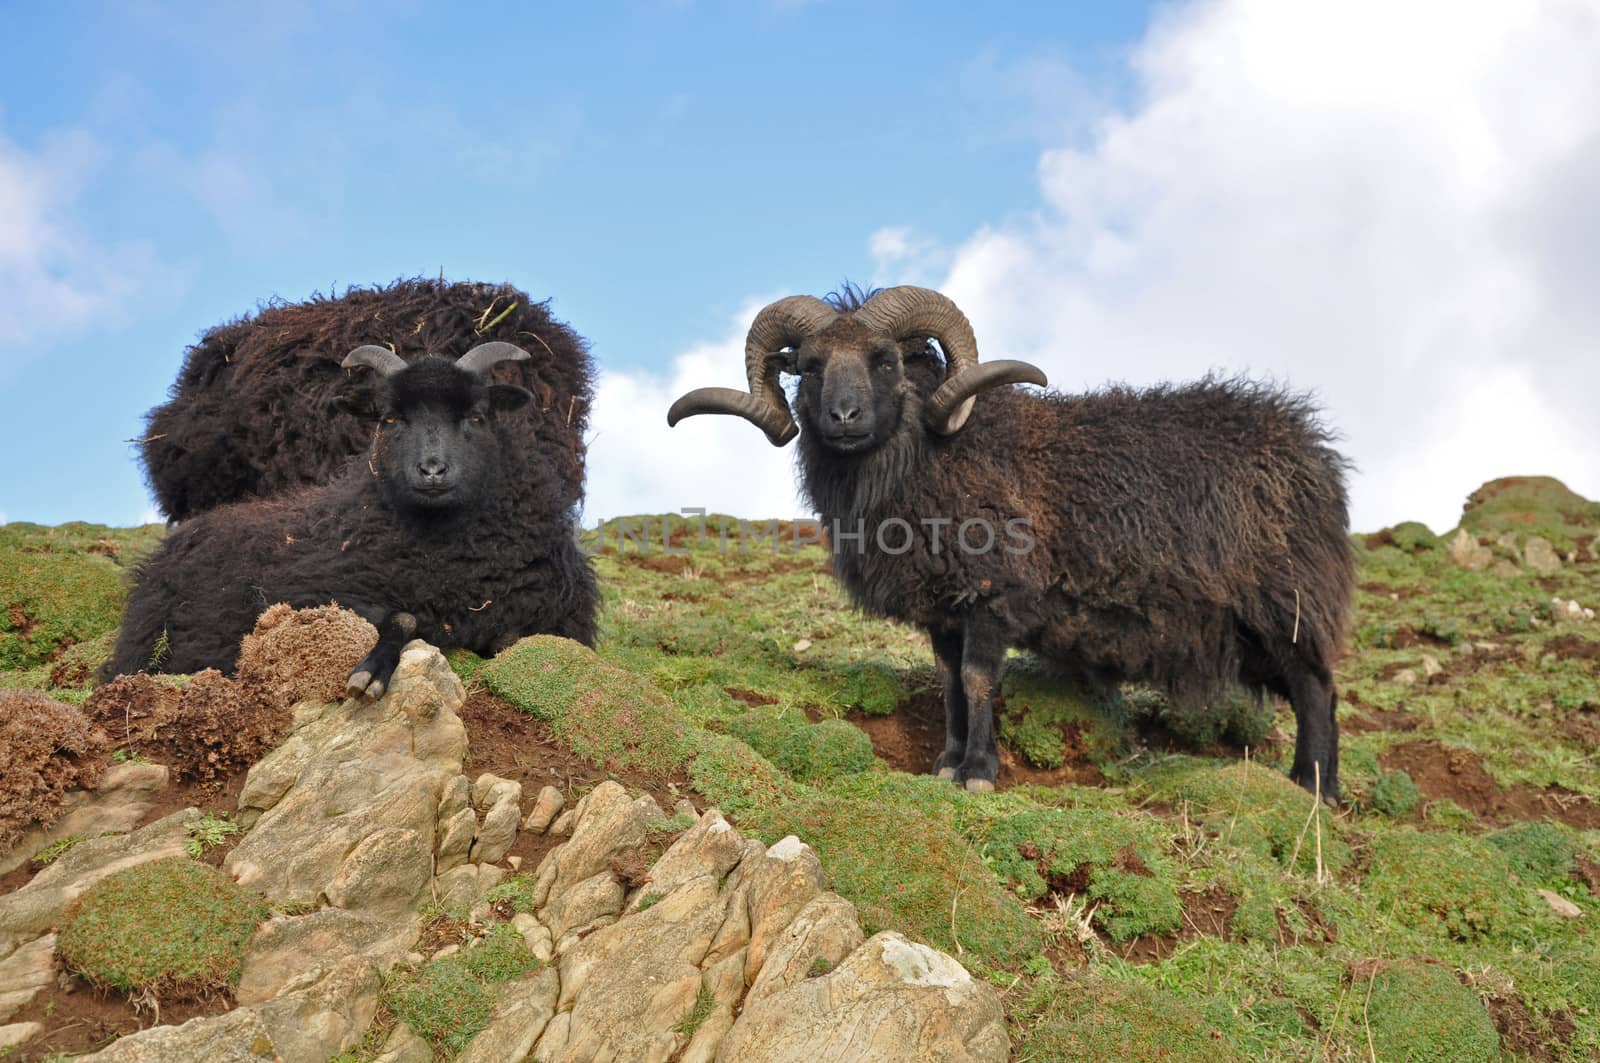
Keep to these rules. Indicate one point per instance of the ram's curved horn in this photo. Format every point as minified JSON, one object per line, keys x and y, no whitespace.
{"x":382,"y":359}
{"x":784,"y":323}
{"x":909,"y":311}
{"x":485,"y":356}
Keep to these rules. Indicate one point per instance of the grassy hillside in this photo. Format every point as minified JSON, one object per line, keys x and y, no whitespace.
{"x":1145,"y":885}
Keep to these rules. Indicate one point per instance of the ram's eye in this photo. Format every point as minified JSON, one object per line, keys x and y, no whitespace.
{"x":885,"y":366}
{"x":477,"y":418}
{"x":389,"y":420}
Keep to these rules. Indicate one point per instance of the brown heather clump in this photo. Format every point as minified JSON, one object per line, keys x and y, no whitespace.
{"x":300,"y":654}
{"x":46,"y":748}
{"x":131,"y":707}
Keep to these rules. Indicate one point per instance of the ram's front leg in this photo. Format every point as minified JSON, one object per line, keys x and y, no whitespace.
{"x":371,"y":677}
{"x":983,"y":652}
{"x":947,"y":655}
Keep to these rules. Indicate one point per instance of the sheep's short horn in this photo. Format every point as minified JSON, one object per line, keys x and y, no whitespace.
{"x":485,"y":356}
{"x":777,"y":424}
{"x":382,"y":359}
{"x":948,"y":408}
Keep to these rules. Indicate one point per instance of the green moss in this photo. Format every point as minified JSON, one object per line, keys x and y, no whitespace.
{"x":1414,"y":537}
{"x":515,"y":893}
{"x":175,"y":928}
{"x":1118,"y":860}
{"x":606,"y":715}
{"x":1234,"y":715}
{"x":1040,"y":708}
{"x":1092,"y":1018}
{"x":1529,"y":505}
{"x":1395,"y":794}
{"x":905,"y":871}
{"x":737,"y":779}
{"x":1459,"y":886}
{"x":872,"y":687}
{"x":1420,"y":1012}
{"x":807,"y":752}
{"x":449,"y":1001}
{"x":62,"y":586}
{"x":1537,"y":852}
{"x":1253,"y":807}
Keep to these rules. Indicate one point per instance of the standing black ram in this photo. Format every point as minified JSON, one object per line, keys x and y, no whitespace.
{"x":1189,"y":536}
{"x":449,"y":528}
{"x":252,"y":411}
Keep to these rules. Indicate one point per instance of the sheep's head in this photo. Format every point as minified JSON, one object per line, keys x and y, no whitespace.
{"x":434,"y":442}
{"x":854,"y":388}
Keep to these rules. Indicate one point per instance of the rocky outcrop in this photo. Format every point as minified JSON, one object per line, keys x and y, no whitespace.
{"x":723,"y":948}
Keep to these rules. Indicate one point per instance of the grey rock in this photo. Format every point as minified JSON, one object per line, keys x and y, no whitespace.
{"x":236,"y":1037}
{"x":25,"y":973}
{"x":455,"y":842}
{"x":1465,"y":551}
{"x":290,"y":952}
{"x":313,"y":1024}
{"x":545,"y":808}
{"x":890,"y":999}
{"x":1539,"y":555}
{"x":16,"y":1034}
{"x":499,"y":829}
{"x":583,"y":905}
{"x":523,"y":1007}
{"x":404,"y":1046}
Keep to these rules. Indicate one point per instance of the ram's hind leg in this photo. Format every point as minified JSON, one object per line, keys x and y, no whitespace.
{"x":947,"y":655}
{"x":1309,"y":689}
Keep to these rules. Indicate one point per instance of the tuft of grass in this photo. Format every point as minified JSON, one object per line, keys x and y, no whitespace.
{"x":1116,"y":859}
{"x":804,"y":751}
{"x":692,"y":1019}
{"x":172,"y":928}
{"x":449,"y":1001}
{"x":57,"y":849}
{"x":1538,"y":852}
{"x":1394,"y":794}
{"x":1419,"y":1012}
{"x":608,"y":716}
{"x":1457,"y":886}
{"x":1090,"y":1018}
{"x":516,"y":893}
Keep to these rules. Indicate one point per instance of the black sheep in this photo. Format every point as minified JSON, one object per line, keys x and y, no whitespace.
{"x":1189,"y":536}
{"x":252,"y":411}
{"x":450,"y":528}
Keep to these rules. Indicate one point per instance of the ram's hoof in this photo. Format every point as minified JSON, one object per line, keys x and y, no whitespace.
{"x":980,"y":786}
{"x":947,"y":774}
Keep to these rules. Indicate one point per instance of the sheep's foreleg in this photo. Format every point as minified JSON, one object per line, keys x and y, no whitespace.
{"x":983,"y":651}
{"x":371,"y":677}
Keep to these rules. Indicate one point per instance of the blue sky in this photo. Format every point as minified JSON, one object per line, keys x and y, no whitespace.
{"x":1120,"y":191}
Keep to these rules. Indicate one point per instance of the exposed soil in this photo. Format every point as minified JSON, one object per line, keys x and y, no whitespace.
{"x":750,"y":697}
{"x":912,"y":737}
{"x":1205,"y":914}
{"x":1372,"y":719}
{"x":1458,"y":774}
{"x":1523,"y":1034}
{"x":1574,"y":647}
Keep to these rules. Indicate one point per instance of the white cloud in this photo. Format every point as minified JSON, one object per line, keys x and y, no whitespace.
{"x":722,"y":464}
{"x":1372,"y":201}
{"x":56,"y":279}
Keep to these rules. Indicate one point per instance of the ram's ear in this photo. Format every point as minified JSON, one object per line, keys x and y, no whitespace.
{"x":504,"y":397}
{"x":358,"y":400}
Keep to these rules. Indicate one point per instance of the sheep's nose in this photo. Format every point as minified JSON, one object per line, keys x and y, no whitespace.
{"x":844,"y":412}
{"x":432,"y":468}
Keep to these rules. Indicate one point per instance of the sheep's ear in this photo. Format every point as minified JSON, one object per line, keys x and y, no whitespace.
{"x":781,"y":362}
{"x":508,"y":397}
{"x":358,"y":402}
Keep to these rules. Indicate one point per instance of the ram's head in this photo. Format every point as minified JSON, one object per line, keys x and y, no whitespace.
{"x":856,"y":389}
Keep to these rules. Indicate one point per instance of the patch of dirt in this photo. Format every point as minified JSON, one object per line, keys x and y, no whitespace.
{"x":1383,"y":590}
{"x":1574,"y":647}
{"x":79,"y":1019}
{"x":911,"y":738}
{"x":1522,"y":1034}
{"x":1589,"y":873}
{"x":1369,"y":720}
{"x":1408,"y":638}
{"x":507,"y":742}
{"x":1205,"y":914}
{"x":21,"y":623}
{"x":1458,"y":774}
{"x":750,"y":697}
